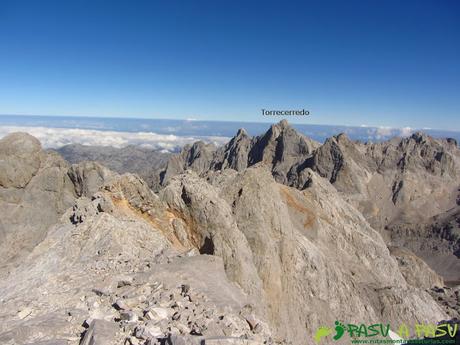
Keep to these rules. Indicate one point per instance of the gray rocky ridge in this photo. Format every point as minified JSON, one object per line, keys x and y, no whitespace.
{"x":260,"y":241}
{"x":401,"y":186}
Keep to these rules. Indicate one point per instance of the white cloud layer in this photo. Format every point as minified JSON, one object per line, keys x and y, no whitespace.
{"x":58,"y":137}
{"x":381,"y":133}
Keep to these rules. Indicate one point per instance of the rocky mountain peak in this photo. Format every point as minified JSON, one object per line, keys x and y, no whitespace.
{"x":452,"y":142}
{"x":279,"y":148}
{"x":280,"y":126}
{"x":420,"y":137}
{"x":279,"y":142}
{"x":342,"y":137}
{"x":242,"y":133}
{"x":283,"y":123}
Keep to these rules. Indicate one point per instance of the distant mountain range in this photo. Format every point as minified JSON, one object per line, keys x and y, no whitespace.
{"x":55,"y":131}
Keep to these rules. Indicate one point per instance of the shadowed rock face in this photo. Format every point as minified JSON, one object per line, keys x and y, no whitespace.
{"x":437,"y":241}
{"x":216,"y":253}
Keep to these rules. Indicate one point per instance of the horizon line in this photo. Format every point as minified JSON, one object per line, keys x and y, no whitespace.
{"x":233,"y":121}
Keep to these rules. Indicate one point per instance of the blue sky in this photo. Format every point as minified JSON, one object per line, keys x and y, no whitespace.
{"x":383,"y":63}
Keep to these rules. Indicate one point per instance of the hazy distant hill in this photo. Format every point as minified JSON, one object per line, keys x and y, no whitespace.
{"x":142,"y":161}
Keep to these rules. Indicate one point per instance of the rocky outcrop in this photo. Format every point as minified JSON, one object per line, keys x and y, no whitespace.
{"x":130,"y":159}
{"x":197,"y":157}
{"x":36,"y":188}
{"x":20,"y":159}
{"x":310,"y":250}
{"x":401,"y":180}
{"x":88,"y":177}
{"x":35,"y":191}
{"x":279,"y":148}
{"x":449,"y":299}
{"x":234,"y":155}
{"x":108,"y":273}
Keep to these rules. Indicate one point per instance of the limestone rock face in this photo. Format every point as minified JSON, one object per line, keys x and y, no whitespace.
{"x":416,"y":272}
{"x":35,"y":191}
{"x":19,"y":158}
{"x":211,"y":227}
{"x":436,"y":241}
{"x":397,"y":184}
{"x":197,"y":157}
{"x":109,"y":266}
{"x":311,"y":250}
{"x":88,"y":177}
{"x":401,"y":180}
{"x":234,"y":155}
{"x":281,"y":147}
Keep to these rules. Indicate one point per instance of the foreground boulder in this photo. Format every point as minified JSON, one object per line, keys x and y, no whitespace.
{"x":34,"y":192}
{"x":101,"y":332}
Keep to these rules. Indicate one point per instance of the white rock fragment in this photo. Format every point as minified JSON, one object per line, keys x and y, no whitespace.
{"x":159,"y":313}
{"x":22,"y":314}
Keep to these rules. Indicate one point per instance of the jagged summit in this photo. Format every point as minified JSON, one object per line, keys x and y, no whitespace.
{"x":342,"y":137}
{"x":452,"y":141}
{"x":241,"y":132}
{"x":281,"y":126}
{"x":381,"y":179}
{"x":283,"y":123}
{"x":420,"y":136}
{"x":280,"y":147}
